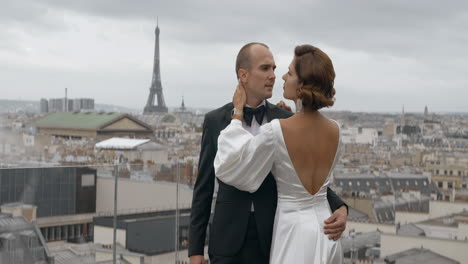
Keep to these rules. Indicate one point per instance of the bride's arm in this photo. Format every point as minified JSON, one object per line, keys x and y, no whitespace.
{"x":244,"y":160}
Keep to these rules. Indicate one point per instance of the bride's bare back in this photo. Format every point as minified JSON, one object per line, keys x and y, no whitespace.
{"x":311,"y":140}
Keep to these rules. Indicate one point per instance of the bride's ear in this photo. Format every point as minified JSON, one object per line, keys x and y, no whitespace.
{"x":300,"y":85}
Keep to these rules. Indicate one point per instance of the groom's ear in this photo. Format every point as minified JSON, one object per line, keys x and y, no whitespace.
{"x":243,"y":75}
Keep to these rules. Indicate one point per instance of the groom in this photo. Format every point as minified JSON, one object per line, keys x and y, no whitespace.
{"x":242,"y":225}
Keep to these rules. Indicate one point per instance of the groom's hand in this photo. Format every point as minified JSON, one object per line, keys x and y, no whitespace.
{"x":197,"y":259}
{"x":335,"y":225}
{"x":282,"y":104}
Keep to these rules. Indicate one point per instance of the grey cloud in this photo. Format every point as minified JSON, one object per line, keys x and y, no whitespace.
{"x":400,"y":28}
{"x":328,"y":17}
{"x":429,"y":36}
{"x":29,"y":15}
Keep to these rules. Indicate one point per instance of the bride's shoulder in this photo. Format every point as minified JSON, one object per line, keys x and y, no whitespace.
{"x":336,"y":124}
{"x":335,"y":128}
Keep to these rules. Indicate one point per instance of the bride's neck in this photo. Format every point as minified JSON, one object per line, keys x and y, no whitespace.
{"x":309,"y":114}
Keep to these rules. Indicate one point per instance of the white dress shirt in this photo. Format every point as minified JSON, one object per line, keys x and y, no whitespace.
{"x":254,"y":129}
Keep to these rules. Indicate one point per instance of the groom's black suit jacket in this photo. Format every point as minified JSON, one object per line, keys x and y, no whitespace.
{"x":233,"y":206}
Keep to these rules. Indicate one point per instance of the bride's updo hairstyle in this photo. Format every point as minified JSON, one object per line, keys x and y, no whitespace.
{"x":315,"y":71}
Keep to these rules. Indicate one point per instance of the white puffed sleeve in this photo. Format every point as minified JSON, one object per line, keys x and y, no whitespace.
{"x":244,"y":160}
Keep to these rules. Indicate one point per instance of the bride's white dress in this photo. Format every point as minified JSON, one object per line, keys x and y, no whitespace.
{"x":244,"y":160}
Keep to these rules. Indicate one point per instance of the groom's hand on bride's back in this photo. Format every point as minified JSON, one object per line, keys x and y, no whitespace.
{"x":282,"y":104}
{"x":197,"y":259}
{"x":335,"y":225}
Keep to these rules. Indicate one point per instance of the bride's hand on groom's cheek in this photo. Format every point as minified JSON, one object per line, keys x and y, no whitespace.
{"x":335,"y":225}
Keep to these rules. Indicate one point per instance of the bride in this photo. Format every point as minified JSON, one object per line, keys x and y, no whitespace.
{"x":300,"y":151}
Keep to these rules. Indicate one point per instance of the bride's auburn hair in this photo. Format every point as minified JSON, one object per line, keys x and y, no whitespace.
{"x":315,"y":71}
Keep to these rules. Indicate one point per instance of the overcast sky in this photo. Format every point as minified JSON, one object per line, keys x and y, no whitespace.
{"x":386,"y":53}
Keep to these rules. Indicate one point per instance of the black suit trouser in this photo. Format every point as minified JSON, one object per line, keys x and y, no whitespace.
{"x":250,"y":251}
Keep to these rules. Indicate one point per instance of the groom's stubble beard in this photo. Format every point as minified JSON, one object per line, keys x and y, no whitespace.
{"x":256,"y":96}
{"x":262,"y":90}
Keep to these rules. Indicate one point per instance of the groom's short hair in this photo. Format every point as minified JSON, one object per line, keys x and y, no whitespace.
{"x":244,"y":56}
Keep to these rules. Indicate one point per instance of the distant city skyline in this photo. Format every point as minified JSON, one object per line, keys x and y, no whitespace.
{"x":386,"y":54}
{"x":121,"y":108}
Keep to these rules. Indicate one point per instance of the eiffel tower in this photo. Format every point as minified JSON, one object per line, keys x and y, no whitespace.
{"x":156,"y":86}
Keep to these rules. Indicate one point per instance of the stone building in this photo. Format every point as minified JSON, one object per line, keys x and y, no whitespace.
{"x":76,"y":125}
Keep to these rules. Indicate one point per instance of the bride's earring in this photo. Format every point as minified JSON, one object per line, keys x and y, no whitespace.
{"x":299,"y":106}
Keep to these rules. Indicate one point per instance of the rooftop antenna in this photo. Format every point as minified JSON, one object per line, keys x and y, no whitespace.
{"x":66,"y":100}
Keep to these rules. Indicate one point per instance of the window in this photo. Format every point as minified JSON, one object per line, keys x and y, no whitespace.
{"x":367,"y":183}
{"x":440,"y":184}
{"x":52,"y":234}
{"x":64,"y":232}
{"x":451,"y":172}
{"x":464,"y":186}
{"x":437,"y":171}
{"x":44,"y":233}
{"x":8,"y":245}
{"x":58,"y":233}
{"x":87,"y":180}
{"x":350,"y":183}
{"x":450,"y":185}
{"x":29,"y":242}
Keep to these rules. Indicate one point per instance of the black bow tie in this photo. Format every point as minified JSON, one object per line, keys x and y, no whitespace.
{"x":249,"y":113}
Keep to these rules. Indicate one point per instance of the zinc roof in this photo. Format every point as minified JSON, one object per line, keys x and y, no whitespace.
{"x":79,"y":120}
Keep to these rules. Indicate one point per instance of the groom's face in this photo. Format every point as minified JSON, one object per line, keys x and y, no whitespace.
{"x":261,"y":76}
